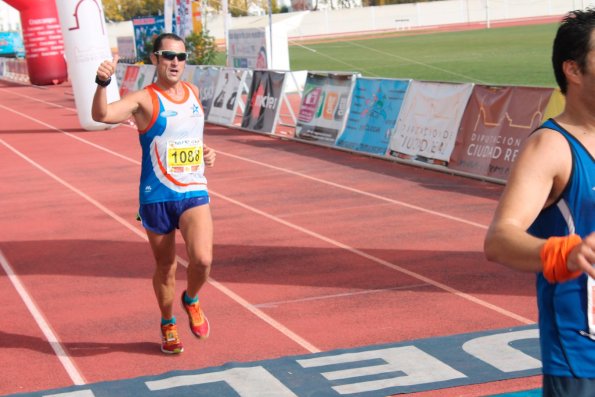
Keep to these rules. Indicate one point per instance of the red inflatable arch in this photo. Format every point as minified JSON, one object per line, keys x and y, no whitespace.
{"x":42,"y":36}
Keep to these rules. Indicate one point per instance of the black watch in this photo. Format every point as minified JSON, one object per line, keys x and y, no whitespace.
{"x":103,"y":83}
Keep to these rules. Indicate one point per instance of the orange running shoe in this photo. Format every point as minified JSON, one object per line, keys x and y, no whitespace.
{"x":199,"y":324}
{"x":170,"y":342}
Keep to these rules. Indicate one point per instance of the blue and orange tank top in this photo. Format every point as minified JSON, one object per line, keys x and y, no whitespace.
{"x":172,"y":148}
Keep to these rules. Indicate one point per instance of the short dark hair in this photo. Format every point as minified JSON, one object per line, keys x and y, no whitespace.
{"x":159,"y":39}
{"x":572,"y":42}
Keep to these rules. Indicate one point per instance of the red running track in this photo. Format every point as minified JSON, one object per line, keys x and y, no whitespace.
{"x":315,"y":249}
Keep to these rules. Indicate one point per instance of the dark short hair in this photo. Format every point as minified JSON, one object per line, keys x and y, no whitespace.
{"x":159,"y":39}
{"x":572,"y":42}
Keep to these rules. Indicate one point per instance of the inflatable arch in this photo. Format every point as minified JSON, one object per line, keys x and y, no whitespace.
{"x":86,"y":45}
{"x":43,"y":41}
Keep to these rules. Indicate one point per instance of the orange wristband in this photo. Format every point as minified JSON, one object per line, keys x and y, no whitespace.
{"x":554,"y":255}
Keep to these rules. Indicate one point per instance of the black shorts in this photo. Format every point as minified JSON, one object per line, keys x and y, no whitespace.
{"x":558,"y":386}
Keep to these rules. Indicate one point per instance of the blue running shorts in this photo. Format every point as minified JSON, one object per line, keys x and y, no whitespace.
{"x":164,"y":217}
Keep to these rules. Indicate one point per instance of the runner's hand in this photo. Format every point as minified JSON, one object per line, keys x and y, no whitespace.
{"x":582,"y":257}
{"x":107,"y":68}
{"x":209,"y":156}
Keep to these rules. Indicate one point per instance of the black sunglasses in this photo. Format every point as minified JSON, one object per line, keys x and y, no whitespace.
{"x":170,"y":55}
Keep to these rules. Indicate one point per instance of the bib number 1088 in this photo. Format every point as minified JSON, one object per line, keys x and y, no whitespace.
{"x":184,"y":156}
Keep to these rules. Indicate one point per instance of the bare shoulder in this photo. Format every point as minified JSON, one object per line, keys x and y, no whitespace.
{"x":546,"y":145}
{"x":544,"y":159}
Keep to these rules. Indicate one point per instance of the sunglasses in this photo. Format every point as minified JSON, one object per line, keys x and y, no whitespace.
{"x":170,"y":55}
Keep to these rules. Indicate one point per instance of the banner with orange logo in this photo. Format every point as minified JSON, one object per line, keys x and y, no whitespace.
{"x":496,"y":122}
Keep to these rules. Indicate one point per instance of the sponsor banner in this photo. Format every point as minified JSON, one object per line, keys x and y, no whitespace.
{"x":247,"y":48}
{"x":370,"y":371}
{"x":323,"y":109}
{"x":120,"y":72}
{"x":146,"y":74}
{"x":224,"y":104}
{"x":197,"y":16}
{"x":496,"y":122}
{"x":129,"y":79}
{"x":555,"y":106}
{"x":429,"y":120}
{"x":11,"y":44}
{"x":205,"y":78}
{"x":126,"y":48}
{"x":145,"y":31}
{"x":189,"y":72}
{"x":183,"y":15}
{"x":375,"y":106}
{"x":263,"y":103}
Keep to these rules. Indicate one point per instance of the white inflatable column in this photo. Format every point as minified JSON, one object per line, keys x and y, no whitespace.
{"x":86,"y":45}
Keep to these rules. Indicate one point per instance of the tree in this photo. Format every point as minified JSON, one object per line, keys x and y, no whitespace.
{"x":201,"y":48}
{"x":125,"y":10}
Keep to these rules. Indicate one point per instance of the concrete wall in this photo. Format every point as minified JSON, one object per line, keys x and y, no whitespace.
{"x":309,"y":24}
{"x":401,"y":16}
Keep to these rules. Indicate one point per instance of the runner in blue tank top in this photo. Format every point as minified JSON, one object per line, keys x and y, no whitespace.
{"x":545,"y":220}
{"x":173,"y":189}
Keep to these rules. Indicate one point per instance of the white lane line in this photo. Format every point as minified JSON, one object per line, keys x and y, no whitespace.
{"x":427,"y":65}
{"x":65,"y":360}
{"x":338,"y":244}
{"x":288,"y":171}
{"x":380,"y":261}
{"x":251,"y":308}
{"x":335,"y":296}
{"x":357,"y":191}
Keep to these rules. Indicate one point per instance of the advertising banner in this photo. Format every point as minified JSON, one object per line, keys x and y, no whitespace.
{"x":126,"y":48}
{"x":205,"y":78}
{"x":248,"y":48}
{"x":183,"y":15}
{"x":129,"y":79}
{"x":227,"y":89}
{"x":429,"y":120}
{"x":120,"y":72}
{"x":555,"y":105}
{"x":146,"y":74}
{"x":11,"y":45}
{"x":145,"y":31}
{"x":496,"y":122}
{"x":375,"y":106}
{"x":264,"y":99}
{"x":323,"y":109}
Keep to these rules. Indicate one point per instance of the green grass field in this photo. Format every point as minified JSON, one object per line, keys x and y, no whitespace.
{"x":517,"y":55}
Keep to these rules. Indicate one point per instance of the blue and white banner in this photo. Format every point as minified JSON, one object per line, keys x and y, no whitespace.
{"x":375,"y":106}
